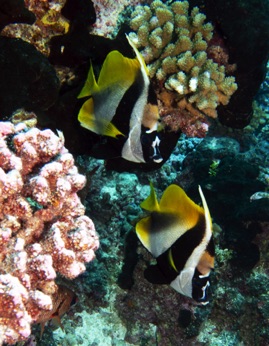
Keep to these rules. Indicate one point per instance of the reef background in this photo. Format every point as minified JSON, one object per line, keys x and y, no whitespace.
{"x":116,"y":305}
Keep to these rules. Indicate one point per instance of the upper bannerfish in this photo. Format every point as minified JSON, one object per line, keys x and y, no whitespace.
{"x":106,"y":98}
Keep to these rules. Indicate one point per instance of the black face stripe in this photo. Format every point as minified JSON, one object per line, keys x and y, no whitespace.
{"x":124,"y":110}
{"x":182,"y":249}
{"x":152,"y":98}
{"x":184,"y":246}
{"x":150,"y":151}
{"x":200,"y":287}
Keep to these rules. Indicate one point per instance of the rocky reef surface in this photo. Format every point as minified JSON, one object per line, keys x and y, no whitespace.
{"x":116,"y":305}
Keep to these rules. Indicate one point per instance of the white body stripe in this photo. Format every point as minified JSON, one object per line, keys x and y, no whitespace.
{"x":183,"y":282}
{"x":132,"y":148}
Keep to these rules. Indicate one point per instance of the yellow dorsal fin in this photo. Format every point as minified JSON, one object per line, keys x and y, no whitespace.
{"x":90,"y":85}
{"x":151,"y":202}
{"x":118,"y":73}
{"x":174,"y":200}
{"x":118,"y":70}
{"x":171,"y":218}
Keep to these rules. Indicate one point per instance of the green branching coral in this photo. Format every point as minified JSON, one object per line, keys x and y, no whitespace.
{"x":174,"y":45}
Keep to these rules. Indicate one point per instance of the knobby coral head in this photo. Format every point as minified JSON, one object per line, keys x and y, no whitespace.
{"x":186,"y":61}
{"x":43,"y":229}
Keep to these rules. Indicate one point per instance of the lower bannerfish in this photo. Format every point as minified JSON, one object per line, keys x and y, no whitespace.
{"x":178,"y":233}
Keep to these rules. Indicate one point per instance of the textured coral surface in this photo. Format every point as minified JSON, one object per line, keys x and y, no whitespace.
{"x":175,"y":42}
{"x":43,"y":229}
{"x":108,"y":12}
{"x":48,"y":22}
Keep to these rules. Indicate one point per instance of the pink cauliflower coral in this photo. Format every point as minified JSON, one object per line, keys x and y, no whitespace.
{"x":43,"y":229}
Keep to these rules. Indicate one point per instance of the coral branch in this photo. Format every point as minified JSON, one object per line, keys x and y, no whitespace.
{"x":176,"y":46}
{"x":43,"y":229}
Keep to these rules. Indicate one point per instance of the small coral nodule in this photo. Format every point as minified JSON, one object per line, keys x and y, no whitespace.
{"x":43,"y":229}
{"x":174,"y":42}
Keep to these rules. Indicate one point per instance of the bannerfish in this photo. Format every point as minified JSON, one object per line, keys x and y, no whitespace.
{"x":123,"y":86}
{"x":62,"y":300}
{"x":178,"y":233}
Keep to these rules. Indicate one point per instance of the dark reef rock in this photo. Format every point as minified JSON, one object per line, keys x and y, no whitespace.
{"x":125,"y":279}
{"x":78,"y":46}
{"x":27,"y":79}
{"x":228,"y":188}
{"x":184,"y":318}
{"x":79,"y":12}
{"x":245,"y":27}
{"x":74,"y":47}
{"x":14,"y":11}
